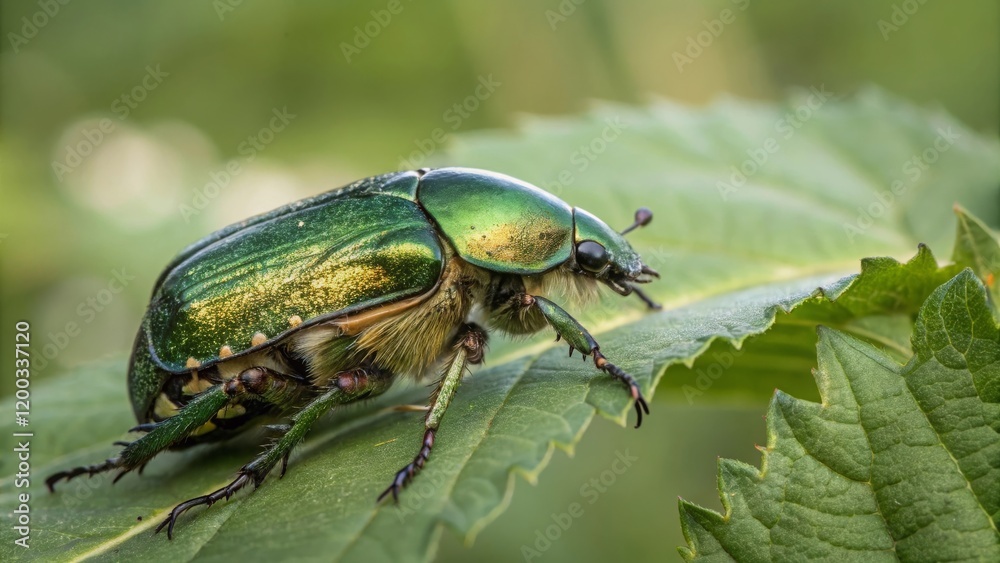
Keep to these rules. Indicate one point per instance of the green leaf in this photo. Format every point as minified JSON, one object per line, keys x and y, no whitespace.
{"x":896,"y":462}
{"x":877,"y":305}
{"x":976,"y":247}
{"x":785,"y":239}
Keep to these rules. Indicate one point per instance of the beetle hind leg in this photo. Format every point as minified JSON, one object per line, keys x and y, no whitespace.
{"x":257,"y":383}
{"x":346,"y":387}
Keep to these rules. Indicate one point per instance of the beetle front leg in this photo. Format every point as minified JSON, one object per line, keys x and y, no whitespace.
{"x":470,"y":345}
{"x":570,"y":330}
{"x":346,"y":387}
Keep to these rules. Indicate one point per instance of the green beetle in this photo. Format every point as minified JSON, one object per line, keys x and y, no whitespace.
{"x":325,"y":301}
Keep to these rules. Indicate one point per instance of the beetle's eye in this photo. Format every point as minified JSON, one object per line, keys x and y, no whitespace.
{"x":591,"y":256}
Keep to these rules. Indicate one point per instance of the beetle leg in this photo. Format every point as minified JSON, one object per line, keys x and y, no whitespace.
{"x":469,"y":347}
{"x":578,"y":338}
{"x":257,"y":382}
{"x":646,"y":298}
{"x":346,"y":387}
{"x":199,"y":411}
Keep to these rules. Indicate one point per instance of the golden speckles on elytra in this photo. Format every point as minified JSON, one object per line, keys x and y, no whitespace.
{"x":258,"y":339}
{"x":539,"y":238}
{"x":308,"y":283}
{"x":225,"y":351}
{"x":192,"y":363}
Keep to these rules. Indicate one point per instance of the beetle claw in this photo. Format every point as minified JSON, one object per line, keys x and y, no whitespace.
{"x":406,"y":474}
{"x":89,"y":470}
{"x":208,"y":500}
{"x":400,"y":481}
{"x":611,"y":369}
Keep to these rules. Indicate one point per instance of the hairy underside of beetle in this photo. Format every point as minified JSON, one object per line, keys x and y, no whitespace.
{"x":415,"y":341}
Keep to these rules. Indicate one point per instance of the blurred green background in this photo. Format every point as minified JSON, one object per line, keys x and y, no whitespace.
{"x":117,"y":115}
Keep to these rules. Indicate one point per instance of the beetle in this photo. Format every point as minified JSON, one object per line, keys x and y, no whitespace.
{"x":327,"y":300}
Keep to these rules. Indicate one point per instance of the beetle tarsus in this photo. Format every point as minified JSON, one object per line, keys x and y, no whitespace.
{"x":406,"y":474}
{"x":646,"y":299}
{"x":611,"y":369}
{"x":89,"y":470}
{"x":470,"y":346}
{"x":208,"y":500}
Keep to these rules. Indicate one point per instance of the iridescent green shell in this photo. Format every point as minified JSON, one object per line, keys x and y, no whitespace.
{"x":589,"y":227}
{"x":497,"y":222}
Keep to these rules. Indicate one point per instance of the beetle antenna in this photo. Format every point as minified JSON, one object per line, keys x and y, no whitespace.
{"x":642,"y":218}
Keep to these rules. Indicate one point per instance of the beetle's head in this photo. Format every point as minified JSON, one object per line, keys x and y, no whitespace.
{"x":603,"y":254}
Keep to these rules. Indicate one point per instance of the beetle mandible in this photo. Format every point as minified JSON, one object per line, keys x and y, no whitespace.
{"x":327,"y":300}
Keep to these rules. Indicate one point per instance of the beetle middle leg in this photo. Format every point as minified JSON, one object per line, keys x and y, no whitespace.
{"x":346,"y":387}
{"x":469,"y":347}
{"x":256,"y":382}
